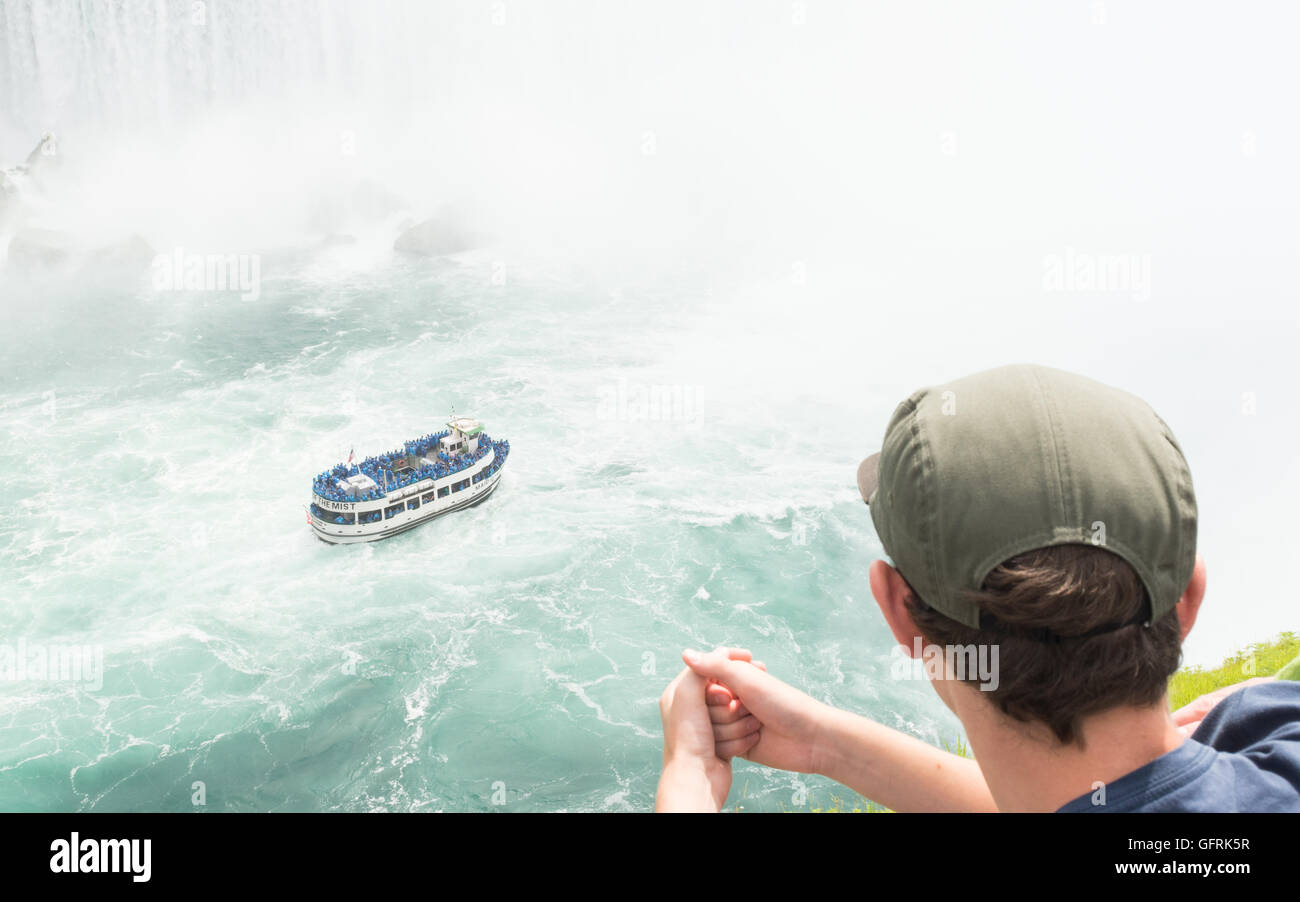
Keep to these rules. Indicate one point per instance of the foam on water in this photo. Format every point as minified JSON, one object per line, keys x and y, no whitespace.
{"x":709,"y":278}
{"x":522,"y":643}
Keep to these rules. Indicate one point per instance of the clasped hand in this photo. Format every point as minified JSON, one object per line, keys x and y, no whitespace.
{"x":725,"y":705}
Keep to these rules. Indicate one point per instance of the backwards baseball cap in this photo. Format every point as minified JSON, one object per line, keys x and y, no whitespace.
{"x":984,"y":468}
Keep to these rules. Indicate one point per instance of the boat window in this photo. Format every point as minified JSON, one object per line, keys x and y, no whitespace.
{"x":338,"y":518}
{"x":369,"y":517}
{"x":427,"y":497}
{"x":413,"y":504}
{"x":391,"y":512}
{"x":442,"y":492}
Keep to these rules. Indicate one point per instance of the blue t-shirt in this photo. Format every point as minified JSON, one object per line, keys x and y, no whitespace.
{"x":1244,"y":756}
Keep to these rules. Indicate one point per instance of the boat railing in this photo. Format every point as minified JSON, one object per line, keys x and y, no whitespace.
{"x":396,"y":470}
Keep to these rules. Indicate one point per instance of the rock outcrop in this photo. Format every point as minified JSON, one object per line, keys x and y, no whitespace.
{"x":434,"y":238}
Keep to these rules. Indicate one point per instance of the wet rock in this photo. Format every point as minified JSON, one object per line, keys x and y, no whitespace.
{"x":39,"y":248}
{"x":132,"y":254}
{"x":434,"y":238}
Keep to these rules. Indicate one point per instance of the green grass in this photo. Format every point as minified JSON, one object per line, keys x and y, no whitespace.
{"x":1258,"y":660}
{"x":961,"y":748}
{"x":861,"y":806}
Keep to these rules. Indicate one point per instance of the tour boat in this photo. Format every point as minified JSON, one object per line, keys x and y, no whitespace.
{"x":391,"y":493}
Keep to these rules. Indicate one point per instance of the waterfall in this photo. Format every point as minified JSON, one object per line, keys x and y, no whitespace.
{"x":176,"y":117}
{"x":77,"y":67}
{"x":226,"y":126}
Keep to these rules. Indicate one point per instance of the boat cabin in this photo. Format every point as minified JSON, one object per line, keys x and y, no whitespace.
{"x":463,"y":438}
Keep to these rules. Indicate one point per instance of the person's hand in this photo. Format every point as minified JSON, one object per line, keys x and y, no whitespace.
{"x":695,"y":777}
{"x":1189,"y":716}
{"x":747,"y":701}
{"x":732,"y":723}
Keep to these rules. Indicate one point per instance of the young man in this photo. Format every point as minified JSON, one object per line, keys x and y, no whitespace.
{"x":1045,"y":523}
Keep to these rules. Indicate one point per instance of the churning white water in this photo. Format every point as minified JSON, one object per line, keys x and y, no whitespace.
{"x":713,"y":246}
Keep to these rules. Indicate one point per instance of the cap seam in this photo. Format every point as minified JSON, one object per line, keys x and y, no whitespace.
{"x":1185,"y":561}
{"x":1070,"y":507}
{"x":1052,"y":453}
{"x":884,"y":503}
{"x":927,"y":494}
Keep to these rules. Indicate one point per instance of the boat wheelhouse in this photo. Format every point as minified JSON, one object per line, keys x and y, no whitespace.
{"x":391,"y":493}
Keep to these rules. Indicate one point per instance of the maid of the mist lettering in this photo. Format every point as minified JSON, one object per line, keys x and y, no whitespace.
{"x":102,"y":856}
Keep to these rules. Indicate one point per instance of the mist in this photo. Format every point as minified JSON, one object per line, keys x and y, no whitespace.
{"x":850,"y":200}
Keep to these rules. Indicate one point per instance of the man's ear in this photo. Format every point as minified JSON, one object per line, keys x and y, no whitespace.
{"x":891,"y":594}
{"x":1190,"y":603}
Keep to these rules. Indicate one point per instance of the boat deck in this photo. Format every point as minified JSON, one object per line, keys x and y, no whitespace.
{"x":377,"y":478}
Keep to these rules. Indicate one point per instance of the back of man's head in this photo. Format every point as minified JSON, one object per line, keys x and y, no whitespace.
{"x":1050,"y":516}
{"x":1052,"y":614}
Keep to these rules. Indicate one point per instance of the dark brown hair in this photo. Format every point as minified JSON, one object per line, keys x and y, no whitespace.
{"x":1069,"y":623}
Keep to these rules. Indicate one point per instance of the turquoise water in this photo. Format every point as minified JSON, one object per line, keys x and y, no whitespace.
{"x":514,"y":650}
{"x":721,"y":242}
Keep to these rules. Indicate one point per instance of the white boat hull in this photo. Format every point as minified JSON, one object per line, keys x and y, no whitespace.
{"x":349,"y":534}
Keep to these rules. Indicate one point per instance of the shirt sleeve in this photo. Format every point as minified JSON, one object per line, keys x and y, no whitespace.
{"x":1261,"y":723}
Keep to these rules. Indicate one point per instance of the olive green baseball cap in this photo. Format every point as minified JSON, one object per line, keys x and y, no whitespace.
{"x":1009,"y":460}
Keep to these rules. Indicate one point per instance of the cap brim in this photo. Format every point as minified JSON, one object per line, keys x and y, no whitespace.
{"x":869,"y":476}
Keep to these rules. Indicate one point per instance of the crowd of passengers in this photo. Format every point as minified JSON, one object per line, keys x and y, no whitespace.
{"x":383,"y":468}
